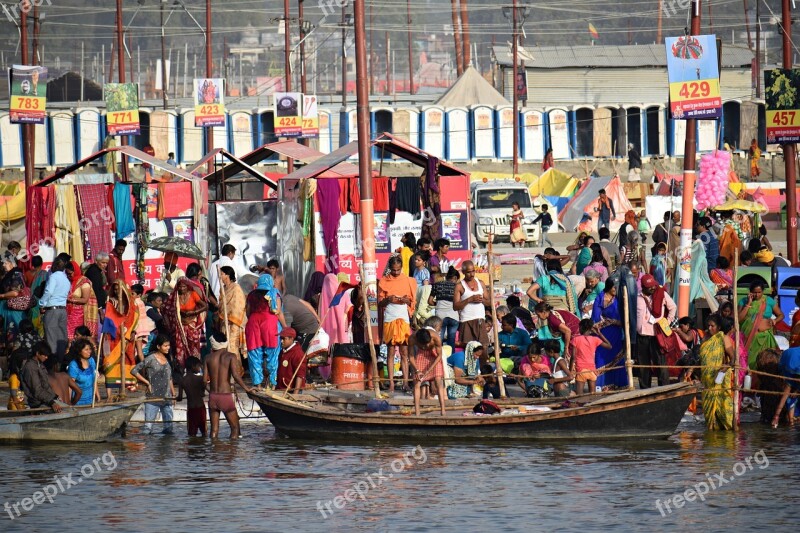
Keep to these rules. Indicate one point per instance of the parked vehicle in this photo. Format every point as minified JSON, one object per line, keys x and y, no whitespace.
{"x":491,"y":202}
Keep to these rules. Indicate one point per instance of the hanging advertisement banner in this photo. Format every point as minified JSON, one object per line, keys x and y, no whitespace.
{"x":693,"y":71}
{"x":310,"y":116}
{"x":288,"y":114}
{"x":781,"y":88}
{"x":209,"y":103}
{"x":27,"y":87}
{"x":122,"y":108}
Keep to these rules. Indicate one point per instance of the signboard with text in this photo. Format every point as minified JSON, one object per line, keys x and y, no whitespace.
{"x":209,"y":103}
{"x":288,"y":114}
{"x":27,"y":87}
{"x":310,"y":116}
{"x":781,"y":88}
{"x":122,"y":108}
{"x":693,"y":71}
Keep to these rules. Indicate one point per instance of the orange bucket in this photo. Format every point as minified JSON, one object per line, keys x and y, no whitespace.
{"x":348,"y":373}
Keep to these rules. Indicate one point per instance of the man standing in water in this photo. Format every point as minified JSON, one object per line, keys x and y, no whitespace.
{"x":219,"y":367}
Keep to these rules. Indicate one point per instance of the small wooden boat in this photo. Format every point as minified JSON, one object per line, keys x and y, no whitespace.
{"x":72,"y":424}
{"x":649,"y":413}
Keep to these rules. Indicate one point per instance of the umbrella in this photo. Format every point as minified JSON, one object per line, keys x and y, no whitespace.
{"x":687,"y":47}
{"x":742,"y":205}
{"x":178,"y":246}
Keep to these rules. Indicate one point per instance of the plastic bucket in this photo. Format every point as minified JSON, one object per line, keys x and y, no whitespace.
{"x":349,"y":373}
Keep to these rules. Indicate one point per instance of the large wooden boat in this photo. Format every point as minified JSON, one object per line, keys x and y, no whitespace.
{"x":649,"y":413}
{"x":72,"y":424}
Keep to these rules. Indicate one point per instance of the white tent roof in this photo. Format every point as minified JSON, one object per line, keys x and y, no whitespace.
{"x":471,"y":89}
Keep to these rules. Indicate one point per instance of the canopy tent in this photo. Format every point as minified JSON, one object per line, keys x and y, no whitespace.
{"x":12,"y":202}
{"x":471,"y":89}
{"x":554,"y":183}
{"x":585,"y":201}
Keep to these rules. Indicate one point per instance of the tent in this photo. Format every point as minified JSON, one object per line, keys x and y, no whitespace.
{"x":471,"y":89}
{"x":554,"y":183}
{"x":585,"y":201}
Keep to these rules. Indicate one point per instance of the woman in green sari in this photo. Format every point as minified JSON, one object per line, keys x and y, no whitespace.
{"x":555,"y":288}
{"x":584,"y":256}
{"x":716,"y":354}
{"x":755,"y":318}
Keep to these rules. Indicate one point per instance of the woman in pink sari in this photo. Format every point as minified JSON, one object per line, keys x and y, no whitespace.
{"x":334,"y":318}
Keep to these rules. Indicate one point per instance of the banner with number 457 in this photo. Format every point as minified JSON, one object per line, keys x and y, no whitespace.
{"x":781,"y":88}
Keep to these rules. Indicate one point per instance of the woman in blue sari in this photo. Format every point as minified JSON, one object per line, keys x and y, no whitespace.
{"x":555,"y":288}
{"x":607,"y":313}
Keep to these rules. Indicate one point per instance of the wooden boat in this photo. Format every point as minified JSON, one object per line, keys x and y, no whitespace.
{"x":649,"y":413}
{"x":72,"y":424}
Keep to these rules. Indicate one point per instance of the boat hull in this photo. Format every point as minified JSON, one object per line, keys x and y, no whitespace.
{"x":650,"y":414}
{"x":79,"y":424}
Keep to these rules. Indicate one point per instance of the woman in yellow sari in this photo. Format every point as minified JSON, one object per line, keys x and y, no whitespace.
{"x":232,"y":307}
{"x":755,"y":155}
{"x":755,"y":317}
{"x":716,"y":354}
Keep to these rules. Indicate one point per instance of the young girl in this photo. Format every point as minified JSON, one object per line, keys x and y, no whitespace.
{"x":585,"y":345}
{"x":421,"y":273}
{"x":561,"y":376}
{"x":517,"y":234}
{"x":658,"y":264}
{"x":159,"y":384}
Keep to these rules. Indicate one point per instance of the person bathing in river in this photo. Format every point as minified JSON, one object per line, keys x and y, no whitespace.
{"x":220,"y":366}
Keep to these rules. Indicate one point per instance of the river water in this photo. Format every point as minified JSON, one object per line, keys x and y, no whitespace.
{"x":264,"y":482}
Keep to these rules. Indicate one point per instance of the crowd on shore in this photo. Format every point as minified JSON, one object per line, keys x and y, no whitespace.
{"x":436,"y":324}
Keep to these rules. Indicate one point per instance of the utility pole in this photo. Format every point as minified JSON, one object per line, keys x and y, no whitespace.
{"x":689,"y":178}
{"x":758,"y":49}
{"x":123,"y":139}
{"x":364,"y":155}
{"x":410,"y":52}
{"x":457,"y":38}
{"x":302,"y":47}
{"x":287,"y":43}
{"x":209,"y":74}
{"x":344,"y":57}
{"x":388,"y":90}
{"x":370,"y":53}
{"x":164,"y":94}
{"x":28,"y":133}
{"x":790,"y":149}
{"x":36,"y":29}
{"x":747,"y":25}
{"x":515,"y":59}
{"x":659,"y":24}
{"x":465,"y":34}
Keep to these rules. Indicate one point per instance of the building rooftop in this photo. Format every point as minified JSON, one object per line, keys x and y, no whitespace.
{"x":608,"y":56}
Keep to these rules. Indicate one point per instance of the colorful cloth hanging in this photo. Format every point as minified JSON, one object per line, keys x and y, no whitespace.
{"x":67,"y":225}
{"x":40,"y":215}
{"x":123,"y":213}
{"x":143,"y":235}
{"x":329,"y":215}
{"x":96,"y":217}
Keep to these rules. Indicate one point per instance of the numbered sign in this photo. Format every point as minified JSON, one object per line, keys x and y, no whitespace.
{"x":288,"y":114}
{"x":122,"y":108}
{"x":693,"y":77}
{"x":783,"y":105}
{"x":310,"y":116}
{"x":209,"y":103}
{"x":27,"y":87}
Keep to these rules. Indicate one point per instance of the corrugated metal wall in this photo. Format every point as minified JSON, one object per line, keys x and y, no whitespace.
{"x":613,"y":86}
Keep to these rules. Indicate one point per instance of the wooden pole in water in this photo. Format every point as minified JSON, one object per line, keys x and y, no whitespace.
{"x":224,"y":303}
{"x":122,"y":349}
{"x":97,"y":367}
{"x":499,"y":369}
{"x":627,"y":317}
{"x":736,"y":392}
{"x":376,"y":378}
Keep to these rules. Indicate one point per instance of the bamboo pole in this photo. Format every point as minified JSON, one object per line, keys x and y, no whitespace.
{"x":122,"y":349}
{"x":627,"y":317}
{"x":499,"y":369}
{"x":736,"y":392}
{"x":97,"y":367}
{"x":224,"y":303}
{"x":376,"y":378}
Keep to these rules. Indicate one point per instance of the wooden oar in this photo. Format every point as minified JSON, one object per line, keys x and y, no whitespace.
{"x":224,"y":303}
{"x":499,"y":368}
{"x":627,"y":317}
{"x":97,"y":367}
{"x":368,"y":325}
{"x":736,"y":391}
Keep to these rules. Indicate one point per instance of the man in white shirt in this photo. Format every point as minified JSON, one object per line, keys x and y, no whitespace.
{"x":226,"y":256}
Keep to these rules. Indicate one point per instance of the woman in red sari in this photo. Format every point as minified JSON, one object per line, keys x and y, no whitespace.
{"x":81,"y":303}
{"x":183,"y":315}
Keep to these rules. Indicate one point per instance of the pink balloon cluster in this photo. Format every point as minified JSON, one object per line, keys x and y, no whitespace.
{"x":712,"y":183}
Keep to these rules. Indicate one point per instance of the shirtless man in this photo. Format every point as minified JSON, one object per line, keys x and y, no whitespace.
{"x":219,"y":368}
{"x":274,"y":269}
{"x":61,"y":383}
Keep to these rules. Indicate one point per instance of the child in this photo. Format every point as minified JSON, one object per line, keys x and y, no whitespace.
{"x":27,"y":338}
{"x":194,"y":385}
{"x":16,"y":398}
{"x":658,"y":264}
{"x":643,"y":226}
{"x":545,"y":220}
{"x":532,"y":367}
{"x":428,"y":365}
{"x":561,"y":376}
{"x":490,"y":385}
{"x":154,"y":302}
{"x":421,"y":273}
{"x":584,"y":347}
{"x":145,"y":325}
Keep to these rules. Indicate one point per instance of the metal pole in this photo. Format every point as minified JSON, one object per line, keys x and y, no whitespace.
{"x":164,"y":94}
{"x":410,"y":52}
{"x":457,"y":37}
{"x":364,"y":155}
{"x":287,"y":43}
{"x":514,"y":53}
{"x":388,"y":90}
{"x":758,"y":49}
{"x":465,"y":34}
{"x":209,"y":74}
{"x":659,"y":23}
{"x":28,"y":133}
{"x":123,"y":139}
{"x":185,"y":68}
{"x":35,"y":58}
{"x":344,"y":57}
{"x":789,"y":150}
{"x":302,"y":47}
{"x":370,"y":51}
{"x":83,"y":76}
{"x":689,"y":177}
